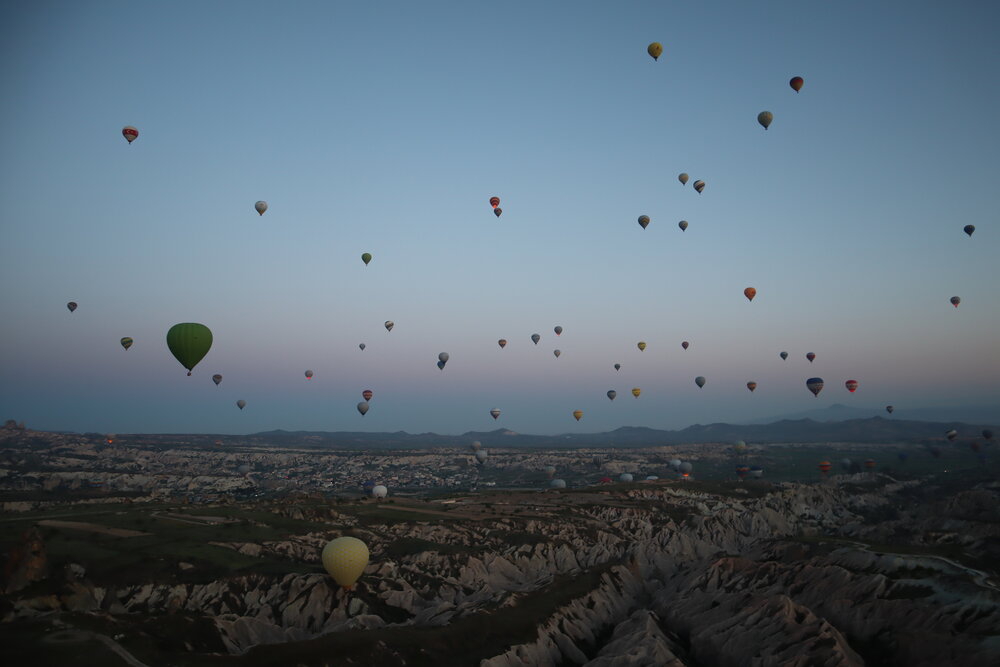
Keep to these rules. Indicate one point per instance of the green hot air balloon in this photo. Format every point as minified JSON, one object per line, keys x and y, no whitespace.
{"x":366,"y":257}
{"x":189,"y":342}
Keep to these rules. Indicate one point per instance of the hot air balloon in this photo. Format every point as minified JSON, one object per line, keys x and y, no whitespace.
{"x":497,"y":211}
{"x":363,"y":407}
{"x":366,"y":257}
{"x":765,"y":118}
{"x":643,"y":221}
{"x":550,"y":470}
{"x":683,"y":178}
{"x":951,"y":435}
{"x":361,"y":346}
{"x":535,"y":338}
{"x":750,"y":293}
{"x":796,"y":83}
{"x":345,"y":558}
{"x":685,"y":344}
{"x":482,"y":455}
{"x":476,"y":445}
{"x":130,"y":133}
{"x":756,"y":472}
{"x":739,"y":447}
{"x":641,"y":345}
{"x":558,"y":484}
{"x":309,"y":375}
{"x":440,"y":364}
{"x":367,"y":394}
{"x":241,"y":404}
{"x":612,"y":393}
{"x":683,"y":224}
{"x":380,"y":491}
{"x":189,"y":342}
{"x":494,"y":413}
{"x":686,"y":468}
{"x":577,"y":414}
{"x":389,"y":324}
{"x":443,"y":357}
{"x":783,"y":355}
{"x":126,"y":342}
{"x":655,"y":50}
{"x":810,"y":356}
{"x":71,"y":305}
{"x":955,"y":301}
{"x":625,"y":477}
{"x":502,"y":343}
{"x":217,"y":379}
{"x":636,"y":391}
{"x":558,"y":330}
{"x":870,"y":464}
{"x":556,"y":353}
{"x":260,"y":207}
{"x":968,"y":229}
{"x":699,"y":186}
{"x":618,"y":367}
{"x":889,"y":409}
{"x":700,"y":381}
{"x":825,"y":467}
{"x":815,"y":385}
{"x":742,"y":471}
{"x":243,"y":469}
{"x":851,"y":385}
{"x":751,"y":386}
{"x":494,"y":201}
{"x":675,"y":464}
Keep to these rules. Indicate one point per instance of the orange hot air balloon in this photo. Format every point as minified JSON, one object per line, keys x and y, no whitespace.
{"x":851,"y":385}
{"x":367,"y":394}
{"x":825,"y":467}
{"x":577,"y":414}
{"x":870,"y":464}
{"x":750,"y":293}
{"x":494,"y":201}
{"x":751,"y":386}
{"x":796,"y":83}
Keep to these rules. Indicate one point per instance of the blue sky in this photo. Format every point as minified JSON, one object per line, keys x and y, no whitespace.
{"x":386,"y":127}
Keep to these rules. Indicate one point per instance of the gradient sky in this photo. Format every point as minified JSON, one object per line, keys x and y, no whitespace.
{"x":385,"y":127}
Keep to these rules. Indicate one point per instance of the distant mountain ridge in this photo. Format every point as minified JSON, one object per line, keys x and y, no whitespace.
{"x":869,"y":430}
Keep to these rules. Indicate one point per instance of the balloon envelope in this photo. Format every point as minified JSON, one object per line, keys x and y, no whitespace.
{"x":683,"y":224}
{"x":497,"y":211}
{"x":751,"y":385}
{"x":889,"y":409}
{"x":955,"y":301}
{"x":851,"y":385}
{"x":655,"y":50}
{"x":309,"y":375}
{"x":366,"y":257}
{"x":440,"y":364}
{"x":577,"y":414}
{"x":189,"y":342}
{"x":765,"y":118}
{"x":636,"y":391}
{"x":502,"y":343}
{"x":968,"y":229}
{"x":260,"y":207}
{"x":535,"y":338}
{"x":130,"y":133}
{"x":494,"y":201}
{"x":625,"y":477}
{"x":494,"y":413}
{"x":241,"y":404}
{"x":345,"y":559}
{"x":443,"y":357}
{"x":363,"y":407}
{"x":389,"y":324}
{"x":641,"y":345}
{"x":700,"y":381}
{"x":557,"y":353}
{"x":783,"y":355}
{"x":126,"y":342}
{"x":558,"y":330}
{"x":810,"y":356}
{"x":699,"y":186}
{"x":361,"y":346}
{"x":482,"y":455}
{"x":796,"y":83}
{"x":217,"y":379}
{"x":683,"y":178}
{"x":643,"y":221}
{"x":618,"y":367}
{"x":612,"y":393}
{"x":685,"y":344}
{"x":367,"y":394}
{"x":71,"y":305}
{"x":815,"y":385}
{"x":750,"y":293}
{"x":558,"y":483}
{"x":379,"y":491}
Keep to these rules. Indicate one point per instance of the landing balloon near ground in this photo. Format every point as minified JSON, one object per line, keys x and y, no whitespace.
{"x":380,"y":491}
{"x":765,"y":118}
{"x":796,"y":83}
{"x":815,"y":385}
{"x":126,"y":342}
{"x":345,"y":559}
{"x":655,"y":50}
{"x":643,"y":221}
{"x":131,"y":134}
{"x":189,"y":342}
{"x":625,"y":477}
{"x":71,"y":305}
{"x":260,"y":207}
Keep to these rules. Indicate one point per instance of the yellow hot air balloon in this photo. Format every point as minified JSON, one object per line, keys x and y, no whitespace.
{"x":641,"y":345}
{"x":655,"y":50}
{"x":577,"y":414}
{"x":345,"y":558}
{"x":636,"y":391}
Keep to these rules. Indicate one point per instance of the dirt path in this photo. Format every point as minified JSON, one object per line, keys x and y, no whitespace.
{"x":92,"y":528}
